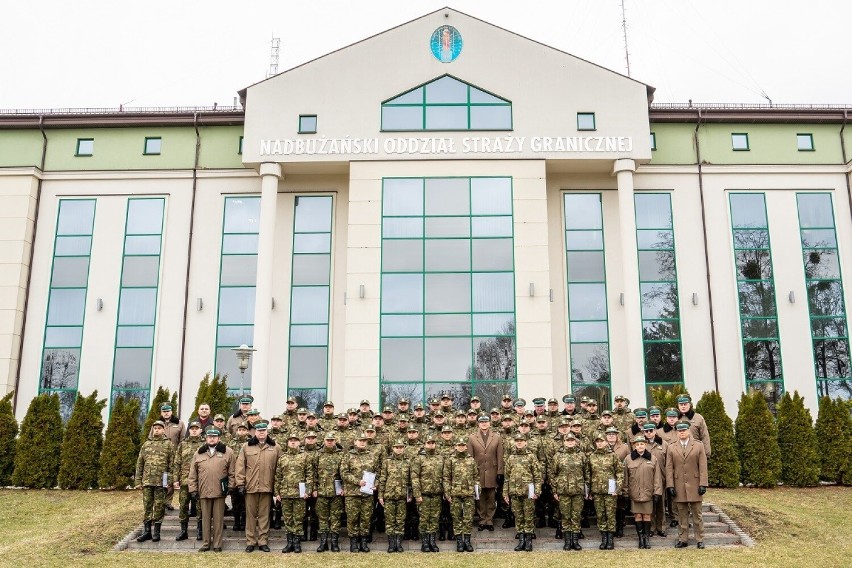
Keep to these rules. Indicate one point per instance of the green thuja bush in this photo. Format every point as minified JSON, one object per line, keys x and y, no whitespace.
{"x":37,"y":450}
{"x":8,"y":433}
{"x":121,"y":445}
{"x":834,"y":436}
{"x":163,"y":395}
{"x":797,"y":441}
{"x":723,"y":465}
{"x":665,"y":398}
{"x":81,"y":445}
{"x":757,"y":442}
{"x":215,"y":393}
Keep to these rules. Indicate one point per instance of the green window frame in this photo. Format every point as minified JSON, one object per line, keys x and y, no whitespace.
{"x":237,"y":287}
{"x":138,"y":295}
{"x":446,"y":104}
{"x":310,"y":300}
{"x":307,"y":124}
{"x":240,"y":146}
{"x":805,"y":142}
{"x":739,"y":142}
{"x":66,"y":301}
{"x":825,"y":294}
{"x":662,"y":345}
{"x":758,"y":312}
{"x":653,"y":141}
{"x":153,"y":146}
{"x":447,"y":298}
{"x":588,"y":307}
{"x":85,"y":147}
{"x":586,"y":121}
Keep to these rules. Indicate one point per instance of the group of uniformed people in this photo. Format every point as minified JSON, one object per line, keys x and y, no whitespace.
{"x":425,"y":472}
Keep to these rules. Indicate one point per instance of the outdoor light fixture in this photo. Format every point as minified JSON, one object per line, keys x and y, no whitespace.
{"x":99,"y":304}
{"x":695,"y":298}
{"x":361,"y":291}
{"x":532,"y":289}
{"x":621,"y":298}
{"x":792,"y":297}
{"x":243,"y":353}
{"x":199,"y":304}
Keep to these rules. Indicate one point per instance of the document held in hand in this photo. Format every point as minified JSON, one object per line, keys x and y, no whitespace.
{"x":370,"y":478}
{"x":531,"y":490}
{"x":476,"y":491}
{"x":303,"y":490}
{"x":338,"y":487}
{"x":612,"y":487}
{"x":165,"y":479}
{"x":223,"y":484}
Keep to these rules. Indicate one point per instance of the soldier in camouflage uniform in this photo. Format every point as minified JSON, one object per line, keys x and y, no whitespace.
{"x":153,"y":467}
{"x":359,"y":505}
{"x":329,"y":499}
{"x":413,"y":445}
{"x":310,"y":522}
{"x":328,"y":420}
{"x":545,"y":505}
{"x":603,"y":466}
{"x":344,"y":434}
{"x":182,"y":460}
{"x":294,"y":467}
{"x":569,"y":474}
{"x":522,"y":469}
{"x":447,"y":444}
{"x":438,"y":422}
{"x":427,"y":474}
{"x":420,"y":422}
{"x":312,"y":423}
{"x":278,"y":433}
{"x":238,"y":503}
{"x":394,"y":493}
{"x":554,"y":417}
{"x":622,"y":417}
{"x":461,"y":480}
{"x":365,"y":414}
{"x":289,"y":416}
{"x":381,"y":437}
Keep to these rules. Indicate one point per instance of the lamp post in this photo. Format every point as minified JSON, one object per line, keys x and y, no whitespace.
{"x":243,"y":353}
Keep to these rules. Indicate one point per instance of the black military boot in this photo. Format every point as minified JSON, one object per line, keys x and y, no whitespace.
{"x":509,"y":521}
{"x":610,"y":541}
{"x":335,"y":543}
{"x":575,"y":542}
{"x":468,"y":547}
{"x":619,"y":522}
{"x":323,"y":542}
{"x":522,"y":542}
{"x":568,"y":539}
{"x":424,"y":543}
{"x":459,"y":543}
{"x":184,"y":526}
{"x":198,"y":530}
{"x":391,"y":543}
{"x":155,"y":534}
{"x":362,"y":544}
{"x":146,"y":533}
{"x":353,"y":544}
{"x":604,"y":540}
{"x":559,"y":533}
{"x":297,"y":544}
{"x":433,"y":546}
{"x":640,"y":531}
{"x":192,"y":510}
{"x":648,"y":532}
{"x":528,"y":545}
{"x":289,"y":546}
{"x":399,"y":541}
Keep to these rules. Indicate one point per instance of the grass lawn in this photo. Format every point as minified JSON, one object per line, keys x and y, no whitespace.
{"x":792,"y":527}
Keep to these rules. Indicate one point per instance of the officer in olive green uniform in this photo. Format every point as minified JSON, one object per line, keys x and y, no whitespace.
{"x":294,"y":483}
{"x":569,"y":474}
{"x":522,"y":471}
{"x":238,"y":502}
{"x":153,"y":467}
{"x":394,"y":493}
{"x":359,"y":504}
{"x":461,"y":484}
{"x":603,"y":467}
{"x":427,"y":474}
{"x":184,"y":454}
{"x":328,"y":491}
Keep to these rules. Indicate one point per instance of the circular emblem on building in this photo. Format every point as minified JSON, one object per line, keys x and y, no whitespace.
{"x":446,"y":44}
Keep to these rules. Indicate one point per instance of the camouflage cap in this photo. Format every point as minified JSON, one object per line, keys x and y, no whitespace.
{"x":311,"y":434}
{"x":507,"y":417}
{"x":649,"y":427}
{"x":328,"y":403}
{"x":552,"y":400}
{"x":612,"y":430}
{"x":195,"y":424}
{"x":399,"y":442}
{"x":576,"y":422}
{"x":495,"y":411}
{"x":213,"y":432}
{"x":293,"y":436}
{"x":592,"y":402}
{"x":539,"y":401}
{"x":462,"y":441}
{"x":218,"y":417}
{"x":312,"y":415}
{"x":159,"y":423}
{"x":483,"y":418}
{"x":412,"y":428}
{"x":363,"y":402}
{"x":569,"y":437}
{"x":472,"y":412}
{"x":682,"y":426}
{"x":434,"y":401}
{"x":302,"y":410}
{"x":475,"y":398}
{"x":524,"y":424}
{"x":438,"y":413}
{"x":619,"y":397}
{"x":461,"y":413}
{"x":446,"y":395}
{"x":362,"y":437}
{"x":402,"y":417}
{"x":638,"y":439}
{"x":565,"y":422}
{"x":403,"y":400}
{"x":330,"y":436}
{"x":165,"y":406}
{"x":277,"y":417}
{"x":541,"y":418}
{"x":430,"y":439}
{"x":253,"y":412}
{"x":507,"y":396}
{"x":369,"y":428}
{"x":343,"y":416}
{"x":584,"y":399}
{"x":387,"y":410}
{"x":607,"y":413}
{"x":261,"y":426}
{"x":568,"y":399}
{"x":419,"y":406}
{"x":446,"y":430}
{"x":520,"y":436}
{"x":243,"y":426}
{"x":292,"y":400}
{"x":600,"y":437}
{"x":529,"y":413}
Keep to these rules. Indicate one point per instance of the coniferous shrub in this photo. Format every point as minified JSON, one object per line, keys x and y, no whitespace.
{"x":215,"y":393}
{"x":723,"y":465}
{"x":121,"y":445}
{"x":757,"y":442}
{"x":8,"y":433}
{"x":833,"y":439}
{"x":81,"y":445}
{"x":37,"y":450}
{"x":797,"y":441}
{"x":163,"y":395}
{"x":665,"y":398}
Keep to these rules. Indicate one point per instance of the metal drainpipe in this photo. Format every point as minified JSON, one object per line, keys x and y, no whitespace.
{"x":30,"y":270}
{"x":189,"y":257}
{"x":706,"y":252}
{"x":845,"y":159}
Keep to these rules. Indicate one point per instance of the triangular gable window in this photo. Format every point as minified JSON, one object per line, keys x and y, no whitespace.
{"x":446,"y":104}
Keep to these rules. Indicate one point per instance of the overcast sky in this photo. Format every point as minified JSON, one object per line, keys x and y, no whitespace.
{"x":87,"y":53}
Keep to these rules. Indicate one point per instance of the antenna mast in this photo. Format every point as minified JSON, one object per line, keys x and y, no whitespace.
{"x":624,"y":29}
{"x":273,"y":57}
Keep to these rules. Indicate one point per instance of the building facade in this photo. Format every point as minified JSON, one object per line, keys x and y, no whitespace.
{"x":444,"y":207}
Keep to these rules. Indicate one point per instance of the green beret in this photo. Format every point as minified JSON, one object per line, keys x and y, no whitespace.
{"x":213,"y":432}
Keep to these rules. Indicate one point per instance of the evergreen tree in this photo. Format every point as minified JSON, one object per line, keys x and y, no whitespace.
{"x":665,"y":398}
{"x":217,"y":396}
{"x":757,"y":442}
{"x":834,"y":436}
{"x":81,"y":446}
{"x":202,"y":395}
{"x":800,"y":463}
{"x":37,"y":450}
{"x":121,"y":445}
{"x":163,"y":395}
{"x":8,"y":433}
{"x":723,"y":466}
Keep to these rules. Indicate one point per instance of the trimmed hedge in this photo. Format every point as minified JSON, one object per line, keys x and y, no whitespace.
{"x":215,"y":393}
{"x":797,"y":441}
{"x":121,"y":445}
{"x":757,"y":442}
{"x":162,"y":396}
{"x":38,"y":449}
{"x":81,"y":446}
{"x":723,"y":465}
{"x":834,"y":436}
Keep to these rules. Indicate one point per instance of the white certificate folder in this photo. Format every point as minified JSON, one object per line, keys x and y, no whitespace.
{"x":370,"y":478}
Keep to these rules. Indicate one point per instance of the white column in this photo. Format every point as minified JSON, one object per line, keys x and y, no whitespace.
{"x":270,"y":174}
{"x":632,"y":383}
